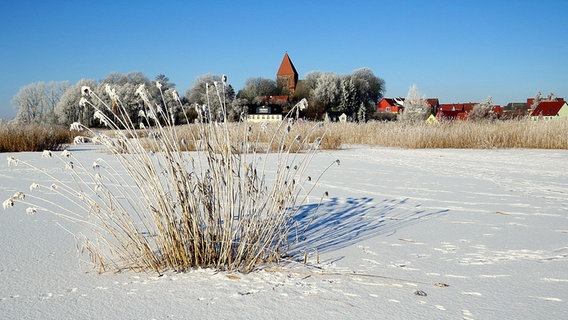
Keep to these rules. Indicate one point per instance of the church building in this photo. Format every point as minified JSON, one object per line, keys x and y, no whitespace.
{"x":287,"y":76}
{"x":271,"y":108}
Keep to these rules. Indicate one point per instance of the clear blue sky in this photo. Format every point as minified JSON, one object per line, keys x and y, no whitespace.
{"x":458,"y":51}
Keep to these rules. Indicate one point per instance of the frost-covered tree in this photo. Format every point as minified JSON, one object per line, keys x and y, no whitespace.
{"x":68,"y":109}
{"x":125,"y":87}
{"x":165,"y":82}
{"x":362,"y":113}
{"x":551,"y":97}
{"x":416,"y":108}
{"x":536,"y":101}
{"x":198,"y":92}
{"x":29,"y":101}
{"x":344,"y":93}
{"x":370,"y":87}
{"x":482,"y":110}
{"x":258,"y":87}
{"x":53,"y":92}
{"x":36,"y":102}
{"x":237,"y":109}
{"x":207,"y":92}
{"x":327,"y":90}
{"x":306,"y":86}
{"x":348,"y":100}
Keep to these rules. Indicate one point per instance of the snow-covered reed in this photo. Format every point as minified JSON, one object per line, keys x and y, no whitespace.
{"x":229,"y":205}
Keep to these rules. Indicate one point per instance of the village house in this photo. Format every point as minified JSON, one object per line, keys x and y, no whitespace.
{"x":549,"y":110}
{"x":396,"y":105}
{"x":545,"y":110}
{"x":454,"y":111}
{"x":392,"y":105}
{"x":460,"y":111}
{"x":265,"y":113}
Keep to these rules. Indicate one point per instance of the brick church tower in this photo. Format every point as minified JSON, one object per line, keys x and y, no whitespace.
{"x":287,"y":76}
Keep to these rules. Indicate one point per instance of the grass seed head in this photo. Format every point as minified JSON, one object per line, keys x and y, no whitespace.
{"x":86,"y":91}
{"x":19,"y":196}
{"x":8,"y":203}
{"x":12,"y":161}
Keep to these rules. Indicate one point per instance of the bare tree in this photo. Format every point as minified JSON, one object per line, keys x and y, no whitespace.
{"x":36,"y":102}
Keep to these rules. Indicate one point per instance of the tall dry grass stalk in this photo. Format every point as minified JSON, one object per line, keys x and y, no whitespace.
{"x":228,"y":205}
{"x":523,"y":133}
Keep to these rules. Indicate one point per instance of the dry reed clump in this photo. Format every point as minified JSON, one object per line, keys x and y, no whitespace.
{"x":226,"y":206}
{"x":523,"y":133}
{"x":16,"y":138}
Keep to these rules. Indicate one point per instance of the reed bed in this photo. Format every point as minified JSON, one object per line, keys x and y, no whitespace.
{"x":259,"y":137}
{"x":17,"y":138}
{"x":229,"y":205}
{"x":523,"y":133}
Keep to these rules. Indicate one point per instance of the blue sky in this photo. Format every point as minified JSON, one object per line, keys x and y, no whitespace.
{"x":458,"y":51}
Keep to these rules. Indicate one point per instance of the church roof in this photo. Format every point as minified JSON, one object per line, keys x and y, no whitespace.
{"x":286,"y":67}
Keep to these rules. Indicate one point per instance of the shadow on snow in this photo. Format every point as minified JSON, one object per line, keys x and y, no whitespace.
{"x":339,"y":223}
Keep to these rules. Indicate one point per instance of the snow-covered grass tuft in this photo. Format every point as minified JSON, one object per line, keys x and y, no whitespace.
{"x":229,"y":205}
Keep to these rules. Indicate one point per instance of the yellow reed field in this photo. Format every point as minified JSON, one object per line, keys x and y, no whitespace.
{"x":18,"y":138}
{"x":456,"y":134}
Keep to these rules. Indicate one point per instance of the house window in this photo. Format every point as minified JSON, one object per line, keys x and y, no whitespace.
{"x":388,"y":109}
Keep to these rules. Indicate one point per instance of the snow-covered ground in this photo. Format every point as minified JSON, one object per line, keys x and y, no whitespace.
{"x":405,"y":234}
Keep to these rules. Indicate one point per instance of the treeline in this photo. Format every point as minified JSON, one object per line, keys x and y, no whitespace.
{"x":58,"y":103}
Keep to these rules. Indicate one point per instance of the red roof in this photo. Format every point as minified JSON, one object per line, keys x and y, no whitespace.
{"x":390,"y":105}
{"x":391,"y":102}
{"x":530,"y":101}
{"x":287,"y":74}
{"x":433,"y":102}
{"x":286,"y":67}
{"x":548,"y":108}
{"x":274,"y":99}
{"x":465,"y":107}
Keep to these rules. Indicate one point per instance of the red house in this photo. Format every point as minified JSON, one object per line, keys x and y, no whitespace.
{"x":392,"y":105}
{"x":396,"y":105}
{"x":550,"y":109}
{"x":454,"y":110}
